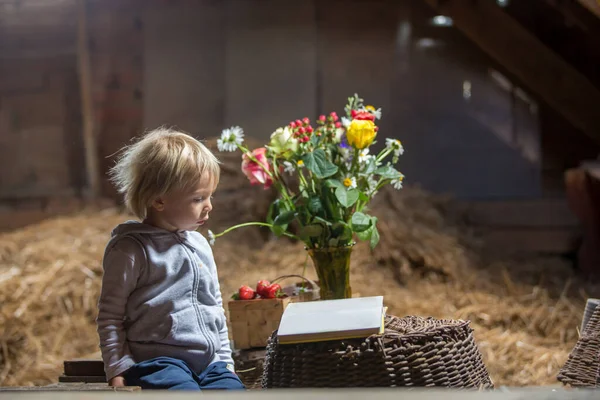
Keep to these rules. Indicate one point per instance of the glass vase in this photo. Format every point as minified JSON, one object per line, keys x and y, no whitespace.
{"x":333,"y":269}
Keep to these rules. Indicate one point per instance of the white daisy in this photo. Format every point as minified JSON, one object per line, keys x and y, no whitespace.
{"x":372,"y":184}
{"x":211,"y":237}
{"x":396,"y":145}
{"x":397,"y":183}
{"x":230,"y":138}
{"x":349,"y":182}
{"x":364,"y":156}
{"x":288,"y":167}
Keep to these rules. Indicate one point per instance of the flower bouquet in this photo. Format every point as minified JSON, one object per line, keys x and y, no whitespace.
{"x":325,"y":178}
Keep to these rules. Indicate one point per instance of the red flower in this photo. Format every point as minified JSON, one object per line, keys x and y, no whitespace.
{"x":254,"y":171}
{"x":364,"y":116}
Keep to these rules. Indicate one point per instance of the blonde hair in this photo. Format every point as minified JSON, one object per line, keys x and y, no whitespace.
{"x":158,"y":162}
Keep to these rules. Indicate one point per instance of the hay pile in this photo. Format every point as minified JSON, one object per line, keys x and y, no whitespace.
{"x":525,"y":314}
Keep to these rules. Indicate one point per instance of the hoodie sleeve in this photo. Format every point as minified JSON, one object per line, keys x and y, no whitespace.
{"x":121,"y":266}
{"x":225,"y":351}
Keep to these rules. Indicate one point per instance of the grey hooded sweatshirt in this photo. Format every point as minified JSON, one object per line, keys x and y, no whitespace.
{"x":160,"y":297}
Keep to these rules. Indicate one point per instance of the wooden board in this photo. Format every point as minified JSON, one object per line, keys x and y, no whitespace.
{"x":84,"y":367}
{"x":71,"y":387}
{"x":540,"y":241}
{"x":536,"y":213}
{"x":82,"y":379}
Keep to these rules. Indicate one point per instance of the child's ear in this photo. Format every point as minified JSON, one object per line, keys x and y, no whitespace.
{"x":158,"y":204}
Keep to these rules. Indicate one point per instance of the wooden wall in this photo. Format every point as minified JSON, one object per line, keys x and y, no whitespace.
{"x":204,"y":65}
{"x":42,"y":169}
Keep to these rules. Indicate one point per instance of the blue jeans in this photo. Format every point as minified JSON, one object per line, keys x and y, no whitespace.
{"x":173,"y":374}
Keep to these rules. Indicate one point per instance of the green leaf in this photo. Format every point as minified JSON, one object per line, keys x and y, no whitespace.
{"x":315,"y":140}
{"x":374,"y":237}
{"x":284,"y":218}
{"x":273,"y":211}
{"x":346,"y":197}
{"x":334,"y":183}
{"x":278,"y":230}
{"x":341,"y":230}
{"x":363,"y":197}
{"x":303,"y":214}
{"x":333,"y":242}
{"x":365,"y":235}
{"x":387,"y":172}
{"x":360,"y":222}
{"x":322,"y":221}
{"x":318,"y":163}
{"x":332,"y":209}
{"x":371,"y":166}
{"x":309,"y":231}
{"x":315,"y":206}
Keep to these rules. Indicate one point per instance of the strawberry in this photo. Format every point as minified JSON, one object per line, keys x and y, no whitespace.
{"x":246,"y":293}
{"x":261,"y":286}
{"x":273,"y":291}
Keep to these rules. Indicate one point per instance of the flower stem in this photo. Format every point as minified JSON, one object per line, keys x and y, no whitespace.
{"x":383,"y":154}
{"x":216,"y":235}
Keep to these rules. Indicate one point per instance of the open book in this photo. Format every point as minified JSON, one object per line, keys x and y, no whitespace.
{"x":316,"y":321}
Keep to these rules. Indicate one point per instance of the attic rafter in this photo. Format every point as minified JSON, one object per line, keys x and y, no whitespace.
{"x":539,"y":68}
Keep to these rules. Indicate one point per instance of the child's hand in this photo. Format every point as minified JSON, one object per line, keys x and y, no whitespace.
{"x":117,"y":381}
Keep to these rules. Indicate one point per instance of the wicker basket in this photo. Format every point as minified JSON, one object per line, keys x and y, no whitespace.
{"x":582,"y":368}
{"x":250,"y":373}
{"x":413,"y":351}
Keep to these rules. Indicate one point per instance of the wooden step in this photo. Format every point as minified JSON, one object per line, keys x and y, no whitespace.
{"x":71,"y":387}
{"x":540,"y":226}
{"x":536,"y":213}
{"x":83,"y":367}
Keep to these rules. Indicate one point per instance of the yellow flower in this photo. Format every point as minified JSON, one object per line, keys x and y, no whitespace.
{"x":361,"y":133}
{"x":347,"y":182}
{"x":370,"y":108}
{"x":300,"y":163}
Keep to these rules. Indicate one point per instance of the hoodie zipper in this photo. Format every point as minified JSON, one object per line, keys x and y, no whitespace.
{"x":195,"y":273}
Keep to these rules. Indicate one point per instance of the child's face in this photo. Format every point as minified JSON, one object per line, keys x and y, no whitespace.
{"x":185,"y":209}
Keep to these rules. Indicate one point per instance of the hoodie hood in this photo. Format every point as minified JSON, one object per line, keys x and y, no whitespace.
{"x":139,"y":228}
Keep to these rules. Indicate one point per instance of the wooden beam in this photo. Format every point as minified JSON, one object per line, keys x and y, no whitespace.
{"x":580,"y":15}
{"x":592,"y":5}
{"x":539,"y":68}
{"x":85,"y":83}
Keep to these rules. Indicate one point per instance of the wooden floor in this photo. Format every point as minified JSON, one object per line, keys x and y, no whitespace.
{"x":545,"y":393}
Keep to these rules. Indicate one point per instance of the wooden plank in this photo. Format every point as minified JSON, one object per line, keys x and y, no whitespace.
{"x":538,"y":213}
{"x":545,"y":73}
{"x":71,"y":387}
{"x":270,"y":50}
{"x":84,"y":367}
{"x":537,"y":241}
{"x":87,"y":111}
{"x":82,"y":379}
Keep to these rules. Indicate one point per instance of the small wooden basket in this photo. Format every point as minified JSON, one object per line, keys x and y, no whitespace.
{"x":253,"y":321}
